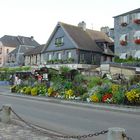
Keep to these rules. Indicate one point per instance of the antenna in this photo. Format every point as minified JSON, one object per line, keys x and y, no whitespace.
{"x":92,"y":26}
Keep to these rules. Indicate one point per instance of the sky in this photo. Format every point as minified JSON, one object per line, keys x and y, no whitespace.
{"x":38,"y":18}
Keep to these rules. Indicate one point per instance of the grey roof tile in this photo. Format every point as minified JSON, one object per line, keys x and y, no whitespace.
{"x":14,"y":41}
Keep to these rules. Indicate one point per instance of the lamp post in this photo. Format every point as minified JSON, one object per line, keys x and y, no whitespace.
{"x":121,"y":68}
{"x":121,"y":73}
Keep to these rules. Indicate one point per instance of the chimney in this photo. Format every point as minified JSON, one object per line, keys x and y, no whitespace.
{"x":82,"y":25}
{"x":105,"y":30}
{"x":32,"y":38}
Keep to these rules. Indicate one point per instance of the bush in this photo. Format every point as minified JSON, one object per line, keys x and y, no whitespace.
{"x":28,"y":90}
{"x":34,"y":91}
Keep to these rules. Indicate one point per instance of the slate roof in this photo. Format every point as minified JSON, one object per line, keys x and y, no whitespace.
{"x":130,"y":12}
{"x":35,"y":50}
{"x":14,"y":41}
{"x":22,"y":49}
{"x":84,"y":40}
{"x":80,"y":37}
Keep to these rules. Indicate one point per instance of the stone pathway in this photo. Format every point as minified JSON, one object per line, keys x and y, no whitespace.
{"x":17,"y":132}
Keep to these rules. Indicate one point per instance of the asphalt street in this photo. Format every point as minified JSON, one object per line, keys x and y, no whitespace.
{"x":73,"y":118}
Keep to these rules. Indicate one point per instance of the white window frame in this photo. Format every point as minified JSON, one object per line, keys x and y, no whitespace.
{"x":136,"y":16}
{"x":124,"y":19}
{"x":59,"y":56}
{"x":123,"y":37}
{"x":69,"y":55}
{"x":50,"y":56}
{"x":137,"y":35}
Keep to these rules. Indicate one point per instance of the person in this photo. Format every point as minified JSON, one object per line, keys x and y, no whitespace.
{"x":19,"y":81}
{"x":39,"y":78}
{"x":16,"y":80}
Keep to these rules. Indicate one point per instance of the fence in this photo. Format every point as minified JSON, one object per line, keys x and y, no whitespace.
{"x":114,"y":133}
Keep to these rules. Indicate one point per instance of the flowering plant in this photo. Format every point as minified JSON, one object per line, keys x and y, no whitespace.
{"x":96,"y":97}
{"x":137,"y":41}
{"x":123,"y":43}
{"x":50,"y":91}
{"x":137,"y":21}
{"x":69,"y":93}
{"x":107,"y":97}
{"x":133,"y":96}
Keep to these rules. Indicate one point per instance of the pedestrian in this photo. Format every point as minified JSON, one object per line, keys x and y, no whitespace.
{"x":16,"y":80}
{"x":39,"y":78}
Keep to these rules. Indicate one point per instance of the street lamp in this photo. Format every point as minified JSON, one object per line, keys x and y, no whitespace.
{"x":121,"y":68}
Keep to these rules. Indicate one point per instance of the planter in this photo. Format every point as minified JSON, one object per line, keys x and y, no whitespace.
{"x":137,"y":41}
{"x":137,"y":21}
{"x":123,"y":43}
{"x":124,"y":24}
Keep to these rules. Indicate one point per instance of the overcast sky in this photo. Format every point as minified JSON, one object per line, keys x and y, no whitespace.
{"x":39,"y":17}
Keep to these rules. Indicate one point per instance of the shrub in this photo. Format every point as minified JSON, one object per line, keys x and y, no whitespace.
{"x":133,"y":96}
{"x":118,"y":97}
{"x":50,"y":91}
{"x":34,"y":91}
{"x":68,"y":93}
{"x":96,"y":97}
{"x":28,"y":90}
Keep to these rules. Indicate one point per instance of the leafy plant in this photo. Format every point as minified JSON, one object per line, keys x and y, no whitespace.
{"x":34,"y":91}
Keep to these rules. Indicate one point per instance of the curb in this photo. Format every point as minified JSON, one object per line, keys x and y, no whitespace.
{"x":105,"y":107}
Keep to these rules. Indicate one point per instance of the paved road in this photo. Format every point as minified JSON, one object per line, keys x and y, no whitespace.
{"x":72,"y":120}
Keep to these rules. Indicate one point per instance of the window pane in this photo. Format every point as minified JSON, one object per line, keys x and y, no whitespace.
{"x":50,"y":57}
{"x":123,"y":37}
{"x":69,"y":55}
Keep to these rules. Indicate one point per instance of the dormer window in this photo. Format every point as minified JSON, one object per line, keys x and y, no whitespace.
{"x":137,"y":37}
{"x":136,"y":18}
{"x":59,"y":41}
{"x":123,"y":40}
{"x":124,"y":20}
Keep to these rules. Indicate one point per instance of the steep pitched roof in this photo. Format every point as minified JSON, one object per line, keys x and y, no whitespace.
{"x":98,"y":36}
{"x":130,"y":12}
{"x":35,"y":50}
{"x":80,"y":37}
{"x":21,"y":49}
{"x":14,"y":41}
{"x":83,"y":39}
{"x":10,"y":41}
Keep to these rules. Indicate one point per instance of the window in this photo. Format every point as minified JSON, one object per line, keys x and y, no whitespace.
{"x":7,"y":50}
{"x":137,"y":37}
{"x":69,"y":55}
{"x":50,"y":57}
{"x":82,"y":58}
{"x":136,"y":18}
{"x":0,"y":60}
{"x":123,"y":40}
{"x":0,"y":50}
{"x":124,"y":20}
{"x":59,"y":56}
{"x":59,"y":41}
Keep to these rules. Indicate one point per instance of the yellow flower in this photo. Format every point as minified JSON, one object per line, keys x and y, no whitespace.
{"x":94,"y":98}
{"x":69,"y":93}
{"x":50,"y":90}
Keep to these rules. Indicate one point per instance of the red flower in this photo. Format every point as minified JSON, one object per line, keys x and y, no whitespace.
{"x":123,"y":43}
{"x":137,"y":41}
{"x":106,"y":96}
{"x":137,"y":21}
